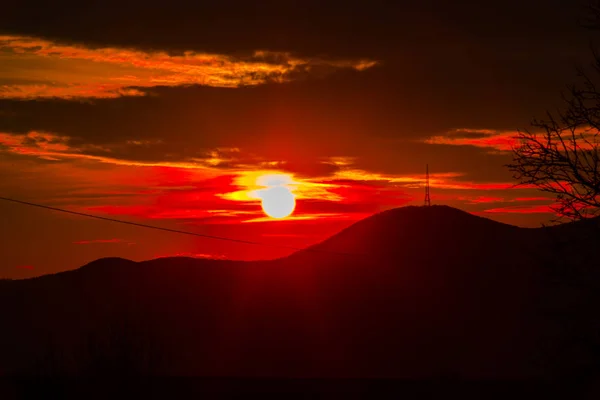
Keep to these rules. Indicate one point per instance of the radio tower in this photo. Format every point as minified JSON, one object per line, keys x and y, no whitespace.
{"x":427,"y":198}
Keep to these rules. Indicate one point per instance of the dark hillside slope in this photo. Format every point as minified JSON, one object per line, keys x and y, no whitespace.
{"x":435,"y":292}
{"x":393,"y":231}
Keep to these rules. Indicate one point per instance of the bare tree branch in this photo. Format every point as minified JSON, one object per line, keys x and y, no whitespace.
{"x":561,"y":154}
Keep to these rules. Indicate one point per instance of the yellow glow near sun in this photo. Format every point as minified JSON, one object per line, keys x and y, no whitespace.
{"x":278,"y":191}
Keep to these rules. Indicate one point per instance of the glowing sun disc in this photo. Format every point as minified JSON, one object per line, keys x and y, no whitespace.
{"x":278,"y":202}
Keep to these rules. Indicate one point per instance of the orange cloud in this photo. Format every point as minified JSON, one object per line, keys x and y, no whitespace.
{"x":46,"y":69}
{"x":503,"y":141}
{"x":445,"y":180}
{"x":484,"y":138}
{"x":347,"y":172}
{"x":34,"y":143}
{"x":53,"y":147}
{"x":492,"y":199}
{"x":192,"y":255}
{"x":541,"y":209}
{"x":303,"y":217}
{"x":482,"y":199}
{"x":531,"y":199}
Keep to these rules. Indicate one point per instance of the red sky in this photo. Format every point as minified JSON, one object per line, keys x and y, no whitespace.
{"x":179,"y":129}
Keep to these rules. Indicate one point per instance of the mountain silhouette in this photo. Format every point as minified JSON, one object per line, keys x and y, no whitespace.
{"x":414,"y":292}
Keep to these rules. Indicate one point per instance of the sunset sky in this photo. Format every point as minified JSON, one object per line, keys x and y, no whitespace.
{"x":179,"y":115}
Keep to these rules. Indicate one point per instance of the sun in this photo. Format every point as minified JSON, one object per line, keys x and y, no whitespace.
{"x":278,"y":201}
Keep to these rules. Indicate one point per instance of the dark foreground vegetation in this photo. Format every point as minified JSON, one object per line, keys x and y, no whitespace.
{"x":431,"y":297}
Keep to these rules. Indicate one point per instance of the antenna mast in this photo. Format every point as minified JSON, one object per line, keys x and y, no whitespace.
{"x":427,"y":198}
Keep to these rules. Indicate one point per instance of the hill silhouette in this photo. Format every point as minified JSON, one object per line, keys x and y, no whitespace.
{"x":420,"y":292}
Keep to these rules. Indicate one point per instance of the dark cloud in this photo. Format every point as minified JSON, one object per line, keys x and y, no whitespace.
{"x":386,"y":101}
{"x":312,"y":26}
{"x":443,"y":66}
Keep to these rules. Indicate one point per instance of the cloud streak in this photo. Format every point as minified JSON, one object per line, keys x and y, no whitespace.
{"x":52,"y":147}
{"x":539,"y":209}
{"x":38,"y":68}
{"x":483,"y":138}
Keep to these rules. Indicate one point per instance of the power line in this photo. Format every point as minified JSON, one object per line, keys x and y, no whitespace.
{"x":173,"y":230}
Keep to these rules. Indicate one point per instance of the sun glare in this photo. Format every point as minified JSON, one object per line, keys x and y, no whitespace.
{"x":277,"y":198}
{"x":277,"y":191}
{"x":277,"y":201}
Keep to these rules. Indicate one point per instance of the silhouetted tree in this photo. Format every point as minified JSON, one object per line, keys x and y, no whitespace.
{"x":561,"y":154}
